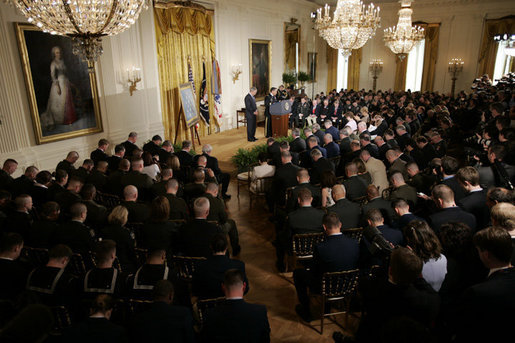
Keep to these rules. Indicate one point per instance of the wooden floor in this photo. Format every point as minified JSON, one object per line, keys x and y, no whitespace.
{"x":267,"y":286}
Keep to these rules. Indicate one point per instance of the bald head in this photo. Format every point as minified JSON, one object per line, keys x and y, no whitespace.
{"x":443,"y":196}
{"x":338,"y":192}
{"x":137,"y":164}
{"x":201,"y":208}
{"x":130,"y":193}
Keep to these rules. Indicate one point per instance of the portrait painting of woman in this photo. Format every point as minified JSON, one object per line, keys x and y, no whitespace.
{"x":62,"y":90}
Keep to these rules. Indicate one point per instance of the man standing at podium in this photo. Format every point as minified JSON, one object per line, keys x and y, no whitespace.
{"x":269,"y":100}
{"x":251,"y":114}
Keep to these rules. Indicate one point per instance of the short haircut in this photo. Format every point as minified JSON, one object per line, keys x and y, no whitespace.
{"x":496,"y":241}
{"x":364,"y":136}
{"x":133,"y":134}
{"x":375,"y":215}
{"x":166,"y":143}
{"x":119,"y":148}
{"x":295,"y":132}
{"x":200,"y":205}
{"x":102,"y":142}
{"x":400,"y":203}
{"x":397,"y":177}
{"x":77,"y":209}
{"x":162,"y":289}
{"x":49,"y":208}
{"x":233,"y":278}
{"x":88,"y":162}
{"x":172,"y":184}
{"x":355,"y":144}
{"x":157,"y":138}
{"x":499,"y":150}
{"x":207,"y":148}
{"x":499,"y":194}
{"x":125,"y":164}
{"x":405,"y":266}
{"x":304,"y":194}
{"x":88,"y":191}
{"x":9,"y":161}
{"x":104,"y":249}
{"x":498,"y":107}
{"x":160,"y":209}
{"x":443,"y":192}
{"x":351,"y":168}
{"x":60,"y":251}
{"x":186,"y":144}
{"x":130,"y":191}
{"x":137,"y":162}
{"x":372,"y":191}
{"x":212,"y":187}
{"x":102,"y":303}
{"x":22,"y":200}
{"x":43,"y":177}
{"x":199,"y":175}
{"x":312,"y":140}
{"x":102,"y":165}
{"x":166,"y":172}
{"x":218,"y":243}
{"x":468,"y":174}
{"x":9,"y":240}
{"x":252,"y":89}
{"x":285,"y":154}
{"x":315,"y":153}
{"x":60,"y":175}
{"x":450,"y":165}
{"x":303,"y":174}
{"x":422,"y":239}
{"x":331,"y":220}
{"x":284,"y":145}
{"x":118,"y":216}
{"x":503,"y":214}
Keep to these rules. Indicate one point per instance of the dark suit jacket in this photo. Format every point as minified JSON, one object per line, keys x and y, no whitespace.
{"x":39,"y":195}
{"x":298,"y":145}
{"x":163,"y":323}
{"x":372,"y":149}
{"x":345,"y":145}
{"x":320,"y":134}
{"x":125,"y":245}
{"x":97,"y":214}
{"x":113,"y":162}
{"x":334,"y":132}
{"x":79,"y":237}
{"x":285,"y":176}
{"x":212,"y":163}
{"x":98,"y":330}
{"x":451,"y":214}
{"x":53,"y":190}
{"x":97,"y":179}
{"x":381,"y":204}
{"x":98,"y":155}
{"x":405,"y":220}
{"x":6,"y":180}
{"x":14,"y":276}
{"x":185,"y":158}
{"x":66,"y":166}
{"x":138,"y":211}
{"x":452,"y":183}
{"x":114,"y":182}
{"x":475,"y":203}
{"x":293,"y":202}
{"x":336,"y":253}
{"x":141,"y":181}
{"x":129,"y":148}
{"x":41,"y":233}
{"x":209,"y":276}
{"x":332,"y":149}
{"x":319,"y":167}
{"x":356,"y":187}
{"x":250,"y":105}
{"x":269,"y":100}
{"x":152,"y":148}
{"x":21,"y":185}
{"x":19,"y":222}
{"x":163,"y":235}
{"x":305,"y":220}
{"x":194,"y":190}
{"x":405,"y":192}
{"x":348,"y":211}
{"x":216,"y":209}
{"x":236,"y":321}
{"x":178,"y":207}
{"x":196,"y":237}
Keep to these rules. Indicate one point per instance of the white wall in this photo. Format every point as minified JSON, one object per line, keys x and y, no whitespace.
{"x":121,"y":113}
{"x":460,"y":36}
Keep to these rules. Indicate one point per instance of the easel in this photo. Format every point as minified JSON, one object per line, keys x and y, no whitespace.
{"x":193,"y":129}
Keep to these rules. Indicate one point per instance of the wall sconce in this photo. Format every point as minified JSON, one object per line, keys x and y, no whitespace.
{"x":376,"y":67}
{"x":235,"y":71}
{"x":133,"y":77}
{"x":455,"y":68}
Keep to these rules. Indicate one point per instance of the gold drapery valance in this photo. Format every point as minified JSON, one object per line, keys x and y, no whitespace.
{"x":182,"y":34}
{"x":430,"y":54}
{"x":488,"y":50}
{"x":354,"y":65}
{"x":332,"y":67}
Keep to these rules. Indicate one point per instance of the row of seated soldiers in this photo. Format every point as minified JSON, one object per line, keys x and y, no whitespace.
{"x":54,"y":284}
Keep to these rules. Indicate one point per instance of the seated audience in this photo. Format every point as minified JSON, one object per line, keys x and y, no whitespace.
{"x":14,"y":272}
{"x":42,"y":231}
{"x":348,"y":211}
{"x":20,"y":219}
{"x":443,"y":196}
{"x":355,"y":186}
{"x":401,"y":190}
{"x":139,"y":212}
{"x":158,"y":231}
{"x":475,"y":200}
{"x":74,"y":233}
{"x":97,"y":214}
{"x":130,"y":144}
{"x":375,"y":200}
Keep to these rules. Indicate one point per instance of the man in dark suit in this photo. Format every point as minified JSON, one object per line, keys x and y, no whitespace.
{"x":273,"y":149}
{"x":449,"y":168}
{"x":298,"y":144}
{"x":317,"y":132}
{"x":99,"y":154}
{"x":345,"y":141}
{"x":251,"y":114}
{"x":401,"y":190}
{"x":305,"y":219}
{"x":348,"y":211}
{"x":114,"y":181}
{"x":303,"y":182}
{"x":375,"y":220}
{"x":82,"y":173}
{"x":165,"y":153}
{"x":337,"y":253}
{"x":488,"y":307}
{"x":333,"y":149}
{"x":285,"y":176}
{"x":162,"y":321}
{"x":39,"y":189}
{"x":443,"y":197}
{"x":13,"y":272}
{"x":7,"y":170}
{"x":130,"y":144}
{"x":114,"y":160}
{"x":427,"y":151}
{"x":355,"y":186}
{"x":59,"y":184}
{"x":330,"y":129}
{"x":20,"y":219}
{"x":178,"y":207}
{"x":209,"y":275}
{"x":24,"y":183}
{"x":212,"y":163}
{"x":97,"y":214}
{"x":197,"y":234}
{"x":184,"y":155}
{"x":141,"y":181}
{"x":98,"y":176}
{"x":69,"y":197}
{"x":196,"y":188}
{"x":375,"y":200}
{"x":42,"y":231}
{"x":364,"y":140}
{"x":139,"y":212}
{"x":404,"y":216}
{"x":475,"y":201}
{"x":154,"y":146}
{"x":76,"y":235}
{"x":236,"y":320}
{"x":269,"y":100}
{"x":320,"y":165}
{"x":67,"y":164}
{"x":284,"y":146}
{"x":402,"y":136}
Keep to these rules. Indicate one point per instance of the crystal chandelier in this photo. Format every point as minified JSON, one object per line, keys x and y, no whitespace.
{"x":403,"y":37}
{"x":351,"y":27}
{"x":85,"y":21}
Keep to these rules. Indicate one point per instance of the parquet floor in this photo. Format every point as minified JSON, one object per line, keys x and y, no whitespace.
{"x":267,"y":286}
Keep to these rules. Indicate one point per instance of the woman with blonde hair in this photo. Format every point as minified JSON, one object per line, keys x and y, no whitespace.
{"x":124,"y":238}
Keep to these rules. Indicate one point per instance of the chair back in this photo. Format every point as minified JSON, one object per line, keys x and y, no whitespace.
{"x":186,"y":265}
{"x":37,"y":257}
{"x":110,"y":201}
{"x":339,"y":285}
{"x":206,"y":304}
{"x":335,"y":160}
{"x":355,"y":233}
{"x":141,"y":255}
{"x":62,"y":318}
{"x":138,"y":306}
{"x":93,"y":261}
{"x":263,"y":185}
{"x":76,"y":266}
{"x":303,"y":244}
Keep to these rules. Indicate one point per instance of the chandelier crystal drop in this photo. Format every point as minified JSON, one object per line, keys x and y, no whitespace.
{"x":86,"y":21}
{"x":352,"y":25}
{"x":403,"y":37}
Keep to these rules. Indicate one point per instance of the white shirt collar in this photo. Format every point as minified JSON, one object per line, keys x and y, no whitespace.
{"x":493,"y":270}
{"x":234,"y":298}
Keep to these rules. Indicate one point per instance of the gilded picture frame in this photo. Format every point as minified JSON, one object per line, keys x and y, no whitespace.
{"x":61,"y":87}
{"x":312,"y":65}
{"x":189,"y":105}
{"x":260,"y":66}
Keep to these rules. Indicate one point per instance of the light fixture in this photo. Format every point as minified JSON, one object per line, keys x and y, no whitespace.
{"x":85,"y":21}
{"x":376,"y":67}
{"x":351,"y":27}
{"x":403,"y":37}
{"x":508,"y":42}
{"x":133,"y":77}
{"x":455,"y":68}
{"x":235,"y":71}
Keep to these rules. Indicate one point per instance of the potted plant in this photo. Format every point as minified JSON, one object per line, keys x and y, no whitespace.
{"x":289,"y":79}
{"x":303,"y":77}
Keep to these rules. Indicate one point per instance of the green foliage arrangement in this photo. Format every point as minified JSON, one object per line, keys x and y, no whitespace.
{"x":303,"y":77}
{"x":178,"y":147}
{"x":289,"y":78}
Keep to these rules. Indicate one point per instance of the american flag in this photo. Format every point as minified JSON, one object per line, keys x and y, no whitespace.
{"x":190,"y":78}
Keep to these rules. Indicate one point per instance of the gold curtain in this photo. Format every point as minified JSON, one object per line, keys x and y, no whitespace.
{"x":182,"y":34}
{"x":332,"y":67}
{"x":430,"y":54}
{"x":400,"y":73}
{"x":488,"y":50}
{"x":354,"y":64}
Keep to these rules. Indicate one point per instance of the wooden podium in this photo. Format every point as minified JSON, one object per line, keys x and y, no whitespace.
{"x":279,"y":112}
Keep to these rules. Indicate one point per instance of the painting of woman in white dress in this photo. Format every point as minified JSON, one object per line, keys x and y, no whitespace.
{"x":62,"y":92}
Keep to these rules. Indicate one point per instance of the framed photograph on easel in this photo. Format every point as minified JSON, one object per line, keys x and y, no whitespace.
{"x":189,"y":105}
